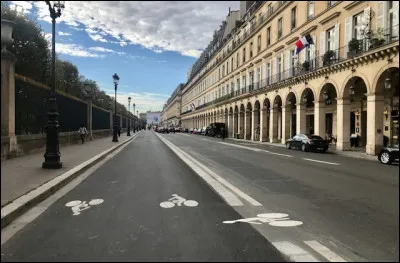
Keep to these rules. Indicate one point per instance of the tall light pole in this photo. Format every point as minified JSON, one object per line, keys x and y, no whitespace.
{"x":129,"y":117}
{"x":134,"y":126}
{"x":137,"y":114}
{"x":115,"y":132}
{"x":52,"y":154}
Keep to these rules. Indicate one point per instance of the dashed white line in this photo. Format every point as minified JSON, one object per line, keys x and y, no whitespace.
{"x":318,"y":161}
{"x":294,"y":252}
{"x":255,"y":149}
{"x":324,"y":251}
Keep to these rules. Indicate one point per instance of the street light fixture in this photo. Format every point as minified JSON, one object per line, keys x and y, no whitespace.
{"x":305,"y":99}
{"x":52,"y":154}
{"x":129,"y":117}
{"x":115,"y":131}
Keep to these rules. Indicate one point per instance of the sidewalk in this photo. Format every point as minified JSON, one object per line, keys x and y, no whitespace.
{"x":332,"y":148}
{"x":23,"y":174}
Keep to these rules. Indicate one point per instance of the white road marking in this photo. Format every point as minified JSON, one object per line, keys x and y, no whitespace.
{"x":273,"y":219}
{"x":312,"y":160}
{"x":228,"y":196}
{"x":255,"y":149}
{"x":30,"y":215}
{"x":294,"y":252}
{"x":324,"y":251}
{"x":178,"y":200}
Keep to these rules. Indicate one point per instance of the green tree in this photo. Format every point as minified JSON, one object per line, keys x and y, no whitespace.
{"x":29,"y":46}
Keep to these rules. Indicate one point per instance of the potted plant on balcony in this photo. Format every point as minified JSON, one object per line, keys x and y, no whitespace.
{"x":328,"y":56}
{"x":306,"y":65}
{"x":377,"y":38}
{"x":354,"y":47}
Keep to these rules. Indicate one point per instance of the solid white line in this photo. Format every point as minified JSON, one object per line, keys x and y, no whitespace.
{"x":30,"y":215}
{"x":228,"y":196}
{"x":311,"y":160}
{"x":294,"y":252}
{"x":324,"y":251}
{"x":215,"y":176}
{"x":255,"y":149}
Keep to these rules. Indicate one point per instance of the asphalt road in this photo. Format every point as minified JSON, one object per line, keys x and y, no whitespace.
{"x":350,"y":206}
{"x":130,"y":224}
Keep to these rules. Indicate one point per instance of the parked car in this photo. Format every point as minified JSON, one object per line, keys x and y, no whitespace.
{"x":389,"y":154}
{"x":177,"y":129}
{"x":191,"y":130}
{"x":203,"y":131}
{"x":195,"y":131}
{"x":208,"y":129}
{"x":186,"y":130}
{"x":306,"y":142}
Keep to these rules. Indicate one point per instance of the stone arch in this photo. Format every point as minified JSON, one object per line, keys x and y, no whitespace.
{"x":257,"y":105}
{"x":266,"y":103}
{"x":277,"y":100}
{"x":378,"y":83}
{"x":249,"y":106}
{"x":328,"y":81}
{"x":343,"y":93}
{"x":291,"y":99}
{"x":310,"y":95}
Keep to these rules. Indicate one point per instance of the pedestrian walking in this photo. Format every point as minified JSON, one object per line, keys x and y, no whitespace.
{"x":82,"y":132}
{"x":223,"y":133}
{"x":119,"y":131}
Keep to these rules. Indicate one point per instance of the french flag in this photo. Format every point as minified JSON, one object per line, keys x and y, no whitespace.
{"x":303,"y":42}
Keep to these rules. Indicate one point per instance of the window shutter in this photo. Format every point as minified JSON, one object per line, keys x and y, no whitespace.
{"x":396,"y":18}
{"x":337,"y":39}
{"x":287,"y":63}
{"x":274,"y":71}
{"x":348,"y":34}
{"x":312,"y":47}
{"x":367,"y":18}
{"x":282,"y":68}
{"x":322,"y":43}
{"x":302,"y":56}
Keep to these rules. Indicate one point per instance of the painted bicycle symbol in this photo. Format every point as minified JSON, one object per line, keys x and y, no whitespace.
{"x":273,"y":219}
{"x":178,"y":200}
{"x":77,"y":206}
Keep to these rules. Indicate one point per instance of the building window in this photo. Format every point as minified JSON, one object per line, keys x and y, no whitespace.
{"x":227,"y":67}
{"x":358,"y":25}
{"x":237,"y":84}
{"x":293,"y":59}
{"x":293,"y":21}
{"x":331,"y":3}
{"x":268,"y":73}
{"x":268,"y":36}
{"x":310,"y":14}
{"x":223,"y":70}
{"x":329,"y":38}
{"x":393,"y":23}
{"x":244,"y":55}
{"x":251,"y":49}
{"x":269,"y":9}
{"x":232,"y":64}
{"x":237,"y":59}
{"x":259,"y":44}
{"x":244,"y":81}
{"x":279,"y":67}
{"x":280,"y":28}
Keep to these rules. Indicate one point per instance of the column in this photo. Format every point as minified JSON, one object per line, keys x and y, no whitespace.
{"x":89,"y":117}
{"x":273,"y":125}
{"x":343,"y":124}
{"x":240,"y":128}
{"x":375,"y":107}
{"x":253,"y":118}
{"x":263,"y":125}
{"x":247,"y":130}
{"x":229,"y":125}
{"x":8,"y":99}
{"x":286,"y":116}
{"x":234,"y":124}
{"x":319,"y":119}
{"x":300,"y":118}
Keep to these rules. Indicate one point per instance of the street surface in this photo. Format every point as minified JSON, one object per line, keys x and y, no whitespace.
{"x":350,"y":206}
{"x":122,"y":219}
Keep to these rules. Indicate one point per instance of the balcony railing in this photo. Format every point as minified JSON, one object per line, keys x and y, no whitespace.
{"x":330,"y":57}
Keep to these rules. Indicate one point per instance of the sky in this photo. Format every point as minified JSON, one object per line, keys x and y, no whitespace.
{"x":150,"y":44}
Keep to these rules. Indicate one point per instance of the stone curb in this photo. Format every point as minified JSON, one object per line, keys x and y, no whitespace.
{"x":25,"y":202}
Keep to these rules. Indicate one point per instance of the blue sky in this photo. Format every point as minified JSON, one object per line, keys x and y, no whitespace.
{"x":150,"y":45}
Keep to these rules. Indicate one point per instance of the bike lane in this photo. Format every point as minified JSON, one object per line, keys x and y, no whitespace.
{"x":120,"y":217}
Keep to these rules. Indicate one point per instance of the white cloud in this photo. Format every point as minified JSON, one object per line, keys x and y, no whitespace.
{"x":64,"y":33}
{"x":75,"y":51}
{"x":143,"y":101}
{"x":101,"y":49}
{"x":21,"y":6}
{"x":185,"y":27}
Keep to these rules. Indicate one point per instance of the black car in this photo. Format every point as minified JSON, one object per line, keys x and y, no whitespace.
{"x":216,"y":129}
{"x":389,"y":154}
{"x":306,"y":142}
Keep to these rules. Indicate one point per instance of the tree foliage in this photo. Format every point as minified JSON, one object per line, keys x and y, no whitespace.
{"x":33,"y":60}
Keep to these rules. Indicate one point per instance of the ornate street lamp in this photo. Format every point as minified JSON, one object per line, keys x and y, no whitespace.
{"x":305,"y":99}
{"x":129,"y":117}
{"x":115,"y":132}
{"x":134,"y":120}
{"x":388,"y":83}
{"x":6,"y":34}
{"x":137,"y":115}
{"x":52,"y":154}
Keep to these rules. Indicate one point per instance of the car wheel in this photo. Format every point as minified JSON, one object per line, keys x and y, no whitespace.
{"x":303,"y":148}
{"x":385,"y":157}
{"x":288,"y":146}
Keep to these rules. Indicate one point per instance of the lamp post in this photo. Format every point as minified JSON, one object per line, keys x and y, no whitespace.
{"x":52,"y":154}
{"x":137,"y":115}
{"x":115,"y":131}
{"x":134,"y":126}
{"x":129,"y":120}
